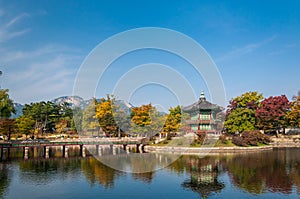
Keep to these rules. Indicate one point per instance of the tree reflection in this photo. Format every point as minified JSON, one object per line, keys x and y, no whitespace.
{"x":144,"y":177}
{"x":4,"y":180}
{"x":271,"y":171}
{"x":95,"y":171}
{"x":45,"y":171}
{"x":274,"y":171}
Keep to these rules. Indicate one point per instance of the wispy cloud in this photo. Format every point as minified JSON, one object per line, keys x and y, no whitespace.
{"x":245,"y":49}
{"x":40,"y":74}
{"x":9,"y":30}
{"x":16,"y":19}
{"x":43,"y":73}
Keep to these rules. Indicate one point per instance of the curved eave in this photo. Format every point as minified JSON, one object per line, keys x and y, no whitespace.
{"x":195,"y":109}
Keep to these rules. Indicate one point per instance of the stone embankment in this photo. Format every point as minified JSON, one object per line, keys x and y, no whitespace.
{"x":204,"y":150}
{"x":285,"y":142}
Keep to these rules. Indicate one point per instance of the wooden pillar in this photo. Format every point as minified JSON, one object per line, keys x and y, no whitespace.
{"x":97,"y":149}
{"x":141,"y":148}
{"x":100,"y":151}
{"x":46,"y":152}
{"x":26,"y":149}
{"x":35,"y":152}
{"x":62,"y":150}
{"x":114,"y":150}
{"x":127,"y":147}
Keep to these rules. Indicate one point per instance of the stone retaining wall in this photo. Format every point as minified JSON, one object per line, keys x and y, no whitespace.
{"x":204,"y":150}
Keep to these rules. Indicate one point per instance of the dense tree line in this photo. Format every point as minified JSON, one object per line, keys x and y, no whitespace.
{"x":100,"y":115}
{"x":251,"y":111}
{"x":247,"y":112}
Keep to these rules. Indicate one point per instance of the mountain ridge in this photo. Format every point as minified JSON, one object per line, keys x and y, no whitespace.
{"x":73,"y":101}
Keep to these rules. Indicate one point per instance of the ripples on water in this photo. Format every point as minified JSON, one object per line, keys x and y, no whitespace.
{"x":272,"y":174}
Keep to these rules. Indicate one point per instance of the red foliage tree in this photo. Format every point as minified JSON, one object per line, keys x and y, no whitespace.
{"x":271,"y":114}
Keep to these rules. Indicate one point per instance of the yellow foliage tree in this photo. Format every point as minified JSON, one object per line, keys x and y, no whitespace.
{"x":293,"y":115}
{"x":104,"y":114}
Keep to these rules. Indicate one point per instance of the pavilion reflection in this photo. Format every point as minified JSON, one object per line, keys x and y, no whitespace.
{"x":203,"y":176}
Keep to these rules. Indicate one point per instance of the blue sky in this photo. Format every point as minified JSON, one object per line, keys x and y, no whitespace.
{"x":255,"y":45}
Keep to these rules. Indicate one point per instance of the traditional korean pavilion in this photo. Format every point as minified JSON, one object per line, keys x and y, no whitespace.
{"x":203,"y":116}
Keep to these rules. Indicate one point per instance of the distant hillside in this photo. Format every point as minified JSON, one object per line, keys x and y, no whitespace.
{"x":19,"y":108}
{"x":72,"y":100}
{"x":76,"y":101}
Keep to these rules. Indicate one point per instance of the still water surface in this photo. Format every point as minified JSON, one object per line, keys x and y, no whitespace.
{"x":272,"y":174}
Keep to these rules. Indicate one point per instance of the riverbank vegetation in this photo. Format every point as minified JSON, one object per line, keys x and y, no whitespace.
{"x":250,"y":111}
{"x":246,"y":117}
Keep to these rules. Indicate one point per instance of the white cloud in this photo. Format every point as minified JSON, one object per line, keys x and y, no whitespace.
{"x":16,"y":19}
{"x":41,"y":74}
{"x":245,"y":49}
{"x":9,"y":30}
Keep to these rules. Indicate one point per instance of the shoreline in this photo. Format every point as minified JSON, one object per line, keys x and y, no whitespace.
{"x":213,"y":150}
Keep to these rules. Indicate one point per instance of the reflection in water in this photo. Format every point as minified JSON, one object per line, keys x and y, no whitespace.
{"x":95,"y":171}
{"x":272,"y":172}
{"x":138,"y":163}
{"x":4,"y":179}
{"x":275,"y":172}
{"x":204,"y":176}
{"x":45,"y":171}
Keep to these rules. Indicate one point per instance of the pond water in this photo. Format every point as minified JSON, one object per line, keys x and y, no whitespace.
{"x":270,"y":174}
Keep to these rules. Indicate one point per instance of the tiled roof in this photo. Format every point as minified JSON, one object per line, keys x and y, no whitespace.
{"x":202,"y":105}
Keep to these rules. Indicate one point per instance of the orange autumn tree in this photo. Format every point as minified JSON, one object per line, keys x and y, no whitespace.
{"x":141,"y":115}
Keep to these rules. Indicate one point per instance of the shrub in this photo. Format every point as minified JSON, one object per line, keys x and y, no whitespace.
{"x":223,"y":139}
{"x":252,"y":138}
{"x":200,"y":139}
{"x":237,"y":140}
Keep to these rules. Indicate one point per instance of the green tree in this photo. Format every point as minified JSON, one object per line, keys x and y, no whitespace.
{"x":122,"y":119}
{"x":25,"y":125}
{"x":45,"y":115}
{"x":76,"y":122}
{"x":240,"y":114}
{"x":240,"y":119}
{"x":89,"y":120}
{"x":6,"y":104}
